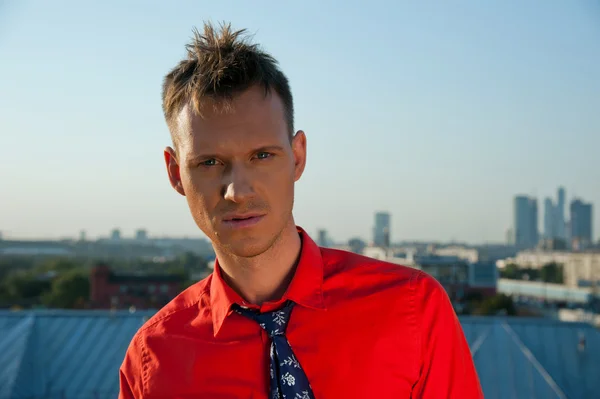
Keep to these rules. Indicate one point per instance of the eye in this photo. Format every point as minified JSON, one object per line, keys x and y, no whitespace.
{"x":263,"y":155}
{"x":209,"y":162}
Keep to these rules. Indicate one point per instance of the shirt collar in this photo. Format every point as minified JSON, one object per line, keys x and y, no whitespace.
{"x":305,"y":289}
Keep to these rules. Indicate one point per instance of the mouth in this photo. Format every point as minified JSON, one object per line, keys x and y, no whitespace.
{"x":242,"y":220}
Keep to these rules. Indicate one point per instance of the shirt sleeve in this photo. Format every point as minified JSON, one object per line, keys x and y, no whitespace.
{"x":130,"y":372}
{"x":446,"y":369}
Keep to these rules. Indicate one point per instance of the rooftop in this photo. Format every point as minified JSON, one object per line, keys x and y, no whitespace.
{"x":76,"y":354}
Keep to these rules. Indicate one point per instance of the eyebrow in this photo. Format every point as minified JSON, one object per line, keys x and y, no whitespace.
{"x":268,"y":148}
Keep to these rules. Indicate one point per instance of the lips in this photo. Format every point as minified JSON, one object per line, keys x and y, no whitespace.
{"x":242,"y":220}
{"x":240,"y":216}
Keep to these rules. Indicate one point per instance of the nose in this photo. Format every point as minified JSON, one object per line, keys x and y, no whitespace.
{"x":237,"y":185}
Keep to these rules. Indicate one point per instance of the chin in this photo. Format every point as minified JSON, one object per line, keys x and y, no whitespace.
{"x":248,"y":244}
{"x":248,"y":249}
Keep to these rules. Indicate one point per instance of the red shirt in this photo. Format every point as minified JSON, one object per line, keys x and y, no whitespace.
{"x":361,"y":328}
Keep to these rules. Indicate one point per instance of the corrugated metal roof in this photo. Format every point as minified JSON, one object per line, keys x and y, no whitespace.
{"x":64,"y":354}
{"x":534,"y":358}
{"x":77,"y":354}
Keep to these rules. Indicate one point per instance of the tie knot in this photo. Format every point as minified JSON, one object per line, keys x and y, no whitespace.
{"x":274,"y":323}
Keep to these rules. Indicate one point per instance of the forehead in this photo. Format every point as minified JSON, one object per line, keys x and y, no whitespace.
{"x":253,"y":119}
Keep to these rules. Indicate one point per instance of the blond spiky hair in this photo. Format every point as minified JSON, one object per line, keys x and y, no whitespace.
{"x":221,"y":63}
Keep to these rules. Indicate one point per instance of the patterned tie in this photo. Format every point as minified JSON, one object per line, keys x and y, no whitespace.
{"x":287,"y":377}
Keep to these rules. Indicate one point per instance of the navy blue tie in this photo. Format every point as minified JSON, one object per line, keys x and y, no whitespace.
{"x":287,"y":377}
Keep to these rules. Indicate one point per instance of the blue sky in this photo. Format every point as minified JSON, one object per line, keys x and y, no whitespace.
{"x":439,"y":112}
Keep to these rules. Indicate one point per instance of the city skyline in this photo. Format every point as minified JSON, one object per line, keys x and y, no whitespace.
{"x":381,"y":232}
{"x":572,"y":228}
{"x":438,"y":115}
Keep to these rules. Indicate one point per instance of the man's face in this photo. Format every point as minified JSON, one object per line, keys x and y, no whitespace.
{"x":237,"y":170}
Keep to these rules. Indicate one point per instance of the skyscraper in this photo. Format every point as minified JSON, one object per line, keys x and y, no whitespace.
{"x":141,"y":235}
{"x":533,"y":220}
{"x":115,"y":234}
{"x":510,"y":236}
{"x":322,"y":240}
{"x":554,"y":217}
{"x":560,"y":225}
{"x":525,"y":222}
{"x":381,"y":230}
{"x":550,"y":220}
{"x":581,"y":223}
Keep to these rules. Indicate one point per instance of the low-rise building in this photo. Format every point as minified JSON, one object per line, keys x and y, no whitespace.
{"x":580,"y":269}
{"x":110,"y":290}
{"x":459,"y":276}
{"x":546,"y":292}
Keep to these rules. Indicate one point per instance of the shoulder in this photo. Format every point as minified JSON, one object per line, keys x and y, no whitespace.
{"x":339,"y":263}
{"x":183,"y":308}
{"x":153,"y":339}
{"x":361,"y":271}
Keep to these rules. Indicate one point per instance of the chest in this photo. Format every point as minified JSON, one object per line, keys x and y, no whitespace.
{"x":342,"y":356}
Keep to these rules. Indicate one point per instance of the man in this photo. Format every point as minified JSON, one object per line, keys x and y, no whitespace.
{"x":279,"y":317}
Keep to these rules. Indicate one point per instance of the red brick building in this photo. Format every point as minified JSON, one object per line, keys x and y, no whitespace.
{"x":110,"y":290}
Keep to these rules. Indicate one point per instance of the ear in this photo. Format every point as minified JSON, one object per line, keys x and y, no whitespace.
{"x":299,"y":150}
{"x":173,"y":170}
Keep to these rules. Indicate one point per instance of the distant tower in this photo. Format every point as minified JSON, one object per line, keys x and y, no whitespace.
{"x":525,"y":222}
{"x":581,"y":223}
{"x":381,"y":230}
{"x":141,"y":235}
{"x":559,"y":226}
{"x":386,"y":237}
{"x":533,"y":220}
{"x":550,"y":220}
{"x":115,"y":234}
{"x":510,"y":236}
{"x":356,"y":245}
{"x":322,"y":240}
{"x":82,"y":236}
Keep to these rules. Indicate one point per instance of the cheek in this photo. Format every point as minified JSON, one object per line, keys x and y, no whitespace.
{"x":280,"y":187}
{"x":201,"y":208}
{"x":202,"y":194}
{"x":198,"y":184}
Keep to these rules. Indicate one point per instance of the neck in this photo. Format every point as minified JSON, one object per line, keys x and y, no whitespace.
{"x":265,"y":277}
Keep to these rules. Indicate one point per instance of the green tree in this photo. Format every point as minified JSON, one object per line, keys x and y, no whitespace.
{"x":497,"y":304}
{"x":58,"y":265}
{"x":552,"y":273}
{"x":70,"y":290}
{"x":515,"y":272}
{"x":191,"y":261}
{"x":511,"y":271}
{"x":176,"y":270}
{"x":24,"y":285}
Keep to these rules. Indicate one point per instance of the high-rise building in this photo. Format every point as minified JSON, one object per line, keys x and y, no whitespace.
{"x":560,"y":225}
{"x":581,"y":223}
{"x":115,"y":234}
{"x":550,"y":219}
{"x":510,"y":236}
{"x":555,"y":226}
{"x":141,"y":235}
{"x":535,"y":233}
{"x":525,"y":222}
{"x":322,"y":239}
{"x":356,"y":245}
{"x":381,"y":230}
